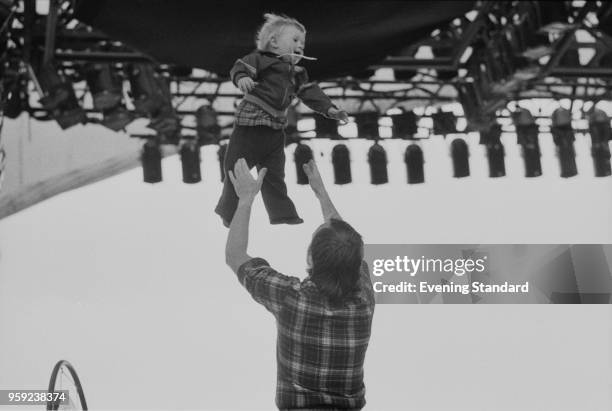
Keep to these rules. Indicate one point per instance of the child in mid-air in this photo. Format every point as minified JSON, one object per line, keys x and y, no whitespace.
{"x":270,"y":79}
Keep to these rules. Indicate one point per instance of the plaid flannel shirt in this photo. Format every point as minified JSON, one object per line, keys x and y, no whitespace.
{"x":249,"y":114}
{"x":320,"y":347}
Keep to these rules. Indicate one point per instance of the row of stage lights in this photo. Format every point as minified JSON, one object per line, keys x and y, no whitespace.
{"x":151,"y":98}
{"x":149,"y":93}
{"x":405,"y":127}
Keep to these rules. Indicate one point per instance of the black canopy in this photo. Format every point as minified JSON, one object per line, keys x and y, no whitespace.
{"x":345,"y":36}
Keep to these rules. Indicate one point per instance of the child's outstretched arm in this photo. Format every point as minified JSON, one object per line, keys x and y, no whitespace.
{"x":311,"y":94}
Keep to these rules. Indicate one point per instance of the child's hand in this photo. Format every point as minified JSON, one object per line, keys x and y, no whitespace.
{"x":246,"y":84}
{"x":336,"y":114}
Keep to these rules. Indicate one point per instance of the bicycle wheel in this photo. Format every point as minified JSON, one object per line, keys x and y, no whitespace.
{"x":65,"y":378}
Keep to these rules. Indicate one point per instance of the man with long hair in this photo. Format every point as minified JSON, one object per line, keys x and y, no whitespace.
{"x":324,"y":321}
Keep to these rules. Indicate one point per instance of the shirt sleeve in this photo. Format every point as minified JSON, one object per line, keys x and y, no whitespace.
{"x":311,"y":94}
{"x":246,"y":66}
{"x":267,"y":286}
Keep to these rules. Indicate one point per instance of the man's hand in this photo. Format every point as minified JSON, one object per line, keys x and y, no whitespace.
{"x":246,"y":84}
{"x":245,"y":185}
{"x":314,"y":178}
{"x":340,"y":115}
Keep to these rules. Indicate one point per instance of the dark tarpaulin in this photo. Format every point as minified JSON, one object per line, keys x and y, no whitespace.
{"x":345,"y":36}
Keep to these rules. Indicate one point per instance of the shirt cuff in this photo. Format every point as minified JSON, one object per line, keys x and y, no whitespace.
{"x":249,"y":265}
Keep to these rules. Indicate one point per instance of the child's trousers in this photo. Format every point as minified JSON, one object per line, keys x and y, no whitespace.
{"x":263,"y":147}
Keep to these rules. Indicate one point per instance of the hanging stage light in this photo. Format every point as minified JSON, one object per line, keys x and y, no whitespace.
{"x":599,"y":126}
{"x":476,"y":103}
{"x":377,"y":157}
{"x":405,"y":125}
{"x":444,"y":122}
{"x":53,"y":86}
{"x":15,"y":98}
{"x":105,"y":85}
{"x":495,"y":149}
{"x":207,"y":125}
{"x":601,"y":133}
{"x":413,"y":157}
{"x":341,"y":161}
{"x":59,"y":97}
{"x":165,"y":121}
{"x":151,"y":162}
{"x":495,"y":154}
{"x":144,"y":87}
{"x":367,"y":125}
{"x":221,"y":156}
{"x":527,"y":137}
{"x":326,"y":127}
{"x":167,"y":125}
{"x":116,"y":118}
{"x":190,"y":161}
{"x":460,"y":154}
{"x":152,"y":98}
{"x":301,"y":156}
{"x":563,"y":137}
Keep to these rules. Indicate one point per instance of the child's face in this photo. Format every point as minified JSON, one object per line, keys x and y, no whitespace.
{"x":290,"y":39}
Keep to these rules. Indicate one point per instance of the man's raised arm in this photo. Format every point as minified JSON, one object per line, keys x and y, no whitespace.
{"x":238,"y":237}
{"x":316,"y":183}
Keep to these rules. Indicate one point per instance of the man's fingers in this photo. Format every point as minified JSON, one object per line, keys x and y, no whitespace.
{"x":260,"y":177}
{"x":244,"y":168}
{"x":232,"y":178}
{"x":240,"y":166}
{"x":312,"y":166}
{"x":237,"y":168}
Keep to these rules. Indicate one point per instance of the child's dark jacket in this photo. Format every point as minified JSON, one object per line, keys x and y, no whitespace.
{"x":278,"y":83}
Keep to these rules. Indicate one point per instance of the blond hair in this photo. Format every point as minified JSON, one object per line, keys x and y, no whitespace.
{"x":273,"y":25}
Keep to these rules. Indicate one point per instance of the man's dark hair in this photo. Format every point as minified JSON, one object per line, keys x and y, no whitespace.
{"x":336,"y":252}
